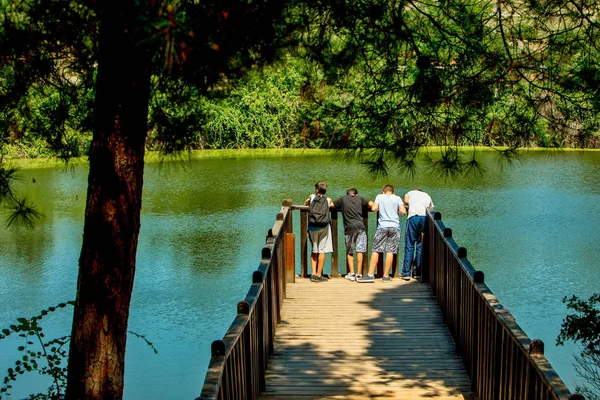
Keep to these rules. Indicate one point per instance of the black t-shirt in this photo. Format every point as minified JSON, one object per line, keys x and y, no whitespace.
{"x":352,"y":211}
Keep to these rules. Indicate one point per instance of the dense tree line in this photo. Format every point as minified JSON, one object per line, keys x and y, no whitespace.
{"x":452,"y":73}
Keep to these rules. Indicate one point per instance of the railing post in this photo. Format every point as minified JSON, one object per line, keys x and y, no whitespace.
{"x":290,"y":226}
{"x":426,"y":250}
{"x":304,"y":242}
{"x":365,"y":262}
{"x":536,"y":349}
{"x":334,"y":237}
{"x":290,"y":244}
{"x":379,"y":270}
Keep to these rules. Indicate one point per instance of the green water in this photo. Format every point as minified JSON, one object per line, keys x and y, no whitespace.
{"x":532,"y":229}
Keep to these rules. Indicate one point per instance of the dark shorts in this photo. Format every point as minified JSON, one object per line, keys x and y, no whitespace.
{"x":356,"y":241}
{"x":386,"y":240}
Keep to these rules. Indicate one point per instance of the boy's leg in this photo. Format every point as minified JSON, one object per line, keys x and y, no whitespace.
{"x":314,"y":242}
{"x":419,"y":245}
{"x":389,"y":258}
{"x":373,"y":264}
{"x":348,"y":239}
{"x":350,"y":259}
{"x":409,"y":245}
{"x":359,"y":262}
{"x":391,"y":248}
{"x":321,"y":262}
{"x":379,"y":243}
{"x":325,"y":246}
{"x":313,"y":263}
{"x":360,"y":249}
{"x":322,"y":244}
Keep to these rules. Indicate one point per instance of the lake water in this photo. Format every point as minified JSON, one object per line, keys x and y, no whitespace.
{"x":532,"y":228}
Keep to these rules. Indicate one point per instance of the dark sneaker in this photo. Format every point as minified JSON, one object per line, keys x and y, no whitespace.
{"x":366,"y":279}
{"x":386,"y":278}
{"x":406,"y":278}
{"x":324,"y":278}
{"x":315,"y":278}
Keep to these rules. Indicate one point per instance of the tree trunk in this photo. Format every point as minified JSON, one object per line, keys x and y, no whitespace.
{"x":112,"y":216}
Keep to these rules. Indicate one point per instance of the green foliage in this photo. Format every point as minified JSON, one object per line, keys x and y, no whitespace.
{"x":453,"y":74}
{"x":47,"y":74}
{"x":47,"y":357}
{"x":259,"y":111}
{"x":583,"y":327}
{"x":363,"y":75}
{"x":21,"y":211}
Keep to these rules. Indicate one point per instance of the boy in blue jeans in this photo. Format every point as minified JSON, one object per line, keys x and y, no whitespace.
{"x":418,"y":202}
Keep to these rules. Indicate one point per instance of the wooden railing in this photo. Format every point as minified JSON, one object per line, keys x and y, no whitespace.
{"x":239,"y":361}
{"x":339,"y":252}
{"x":501,"y":361}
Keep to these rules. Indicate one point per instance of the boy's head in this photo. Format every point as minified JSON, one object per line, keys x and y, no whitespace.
{"x":321,"y":187}
{"x":352,"y":192}
{"x":388,"y":189}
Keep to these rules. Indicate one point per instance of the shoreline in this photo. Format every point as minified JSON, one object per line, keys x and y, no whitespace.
{"x":152,"y":157}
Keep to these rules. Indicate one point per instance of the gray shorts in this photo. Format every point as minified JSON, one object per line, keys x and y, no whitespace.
{"x":356,"y":241}
{"x":386,"y":240}
{"x":321,"y":240}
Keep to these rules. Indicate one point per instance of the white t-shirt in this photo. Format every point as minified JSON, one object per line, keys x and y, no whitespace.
{"x":418,"y":202}
{"x":312,"y":198}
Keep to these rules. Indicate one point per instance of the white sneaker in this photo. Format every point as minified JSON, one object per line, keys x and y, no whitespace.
{"x":351,"y":277}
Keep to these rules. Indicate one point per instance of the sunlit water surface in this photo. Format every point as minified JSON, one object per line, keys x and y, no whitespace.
{"x":533,"y":230}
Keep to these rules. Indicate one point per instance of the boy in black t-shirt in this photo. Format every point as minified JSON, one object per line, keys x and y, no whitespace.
{"x":351,"y":205}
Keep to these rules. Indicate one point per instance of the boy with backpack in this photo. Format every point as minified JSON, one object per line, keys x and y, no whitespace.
{"x":351,"y":205}
{"x":319,"y":230}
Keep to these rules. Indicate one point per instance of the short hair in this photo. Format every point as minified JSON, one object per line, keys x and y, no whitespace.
{"x":352,"y":192}
{"x":388,"y":189}
{"x":321,"y":187}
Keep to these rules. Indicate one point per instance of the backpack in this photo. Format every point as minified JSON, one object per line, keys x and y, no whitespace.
{"x":318,"y":211}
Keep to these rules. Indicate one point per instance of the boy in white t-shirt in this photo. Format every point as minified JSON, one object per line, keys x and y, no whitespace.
{"x":418,"y":202}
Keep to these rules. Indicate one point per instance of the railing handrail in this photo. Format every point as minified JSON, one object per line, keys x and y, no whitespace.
{"x":238,"y":362}
{"x":464,"y":287}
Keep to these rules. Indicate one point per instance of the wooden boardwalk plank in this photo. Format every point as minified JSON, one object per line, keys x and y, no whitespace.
{"x":344,"y":340}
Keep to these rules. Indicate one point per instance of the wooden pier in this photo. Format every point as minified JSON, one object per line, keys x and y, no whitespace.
{"x":444,"y":337}
{"x":346,"y":340}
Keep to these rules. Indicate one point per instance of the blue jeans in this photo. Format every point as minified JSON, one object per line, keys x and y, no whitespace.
{"x":413,"y":244}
